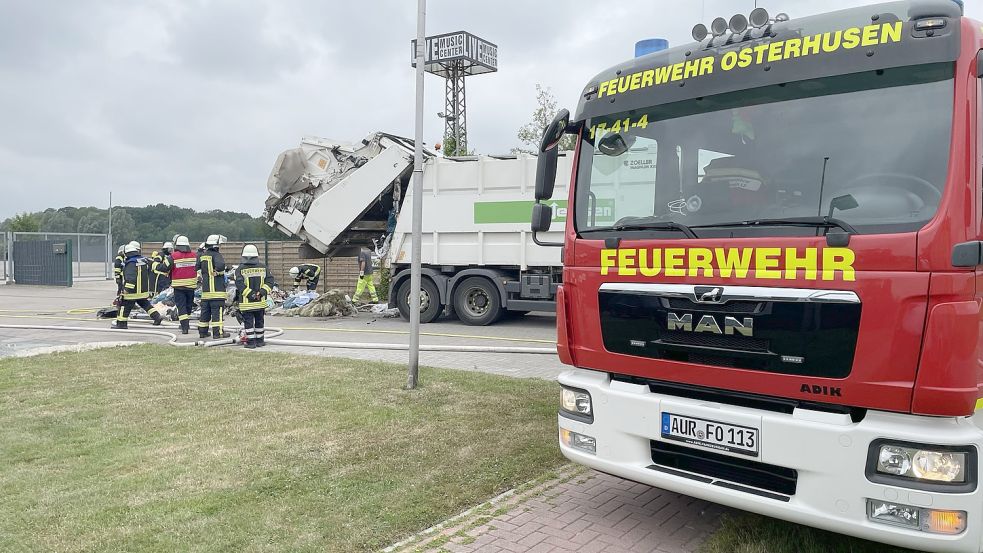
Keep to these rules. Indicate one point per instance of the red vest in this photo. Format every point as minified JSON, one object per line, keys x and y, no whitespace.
{"x":183,"y":273}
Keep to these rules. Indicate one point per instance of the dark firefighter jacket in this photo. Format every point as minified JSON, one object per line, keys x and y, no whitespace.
{"x":180,"y":267}
{"x":161,"y":278}
{"x":307,"y":271}
{"x":118,"y":268}
{"x":136,"y":278}
{"x":253,"y":284}
{"x":211,"y":269}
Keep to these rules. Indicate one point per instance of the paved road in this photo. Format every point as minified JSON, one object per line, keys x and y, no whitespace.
{"x":52,"y":306}
{"x":593,"y":512}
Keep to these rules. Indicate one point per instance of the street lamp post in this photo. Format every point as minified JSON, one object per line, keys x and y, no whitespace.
{"x":413,"y":370}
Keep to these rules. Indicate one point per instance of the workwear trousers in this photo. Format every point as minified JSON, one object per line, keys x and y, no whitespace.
{"x":211,"y":318}
{"x":363,"y":283}
{"x":184,"y":300}
{"x":254,"y":321}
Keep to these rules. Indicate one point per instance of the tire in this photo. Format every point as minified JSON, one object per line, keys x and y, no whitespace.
{"x":477,"y":302}
{"x":429,"y":300}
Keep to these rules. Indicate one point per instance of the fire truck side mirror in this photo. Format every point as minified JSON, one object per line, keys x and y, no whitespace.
{"x":542,"y":217}
{"x":546,"y":173}
{"x":554,"y":131}
{"x":967,"y":254}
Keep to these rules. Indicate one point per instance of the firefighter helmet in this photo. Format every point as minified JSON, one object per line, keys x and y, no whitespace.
{"x":250,"y":251}
{"x":132,"y":247}
{"x":294,"y":271}
{"x":182,"y":241}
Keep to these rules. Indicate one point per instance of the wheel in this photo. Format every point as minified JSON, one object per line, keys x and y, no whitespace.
{"x":477,"y":302}
{"x":430,"y":307}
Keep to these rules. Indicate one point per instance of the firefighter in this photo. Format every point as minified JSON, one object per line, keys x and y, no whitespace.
{"x":365,"y":276}
{"x":179,"y":269}
{"x":161,"y":278}
{"x":118,"y":270}
{"x":307,"y":271}
{"x":253,"y":284}
{"x":136,"y":287}
{"x":211,"y":269}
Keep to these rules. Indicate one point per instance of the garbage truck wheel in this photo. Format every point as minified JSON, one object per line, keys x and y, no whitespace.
{"x":477,"y":302}
{"x":430,"y":307}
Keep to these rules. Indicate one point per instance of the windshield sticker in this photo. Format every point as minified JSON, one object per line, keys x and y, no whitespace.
{"x":779,"y":50}
{"x":763,"y":263}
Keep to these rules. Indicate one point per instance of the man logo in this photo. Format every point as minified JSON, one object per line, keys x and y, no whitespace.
{"x":706,"y":294}
{"x":709,"y":324}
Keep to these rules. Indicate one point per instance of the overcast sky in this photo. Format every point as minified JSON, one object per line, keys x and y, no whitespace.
{"x":189,"y":102}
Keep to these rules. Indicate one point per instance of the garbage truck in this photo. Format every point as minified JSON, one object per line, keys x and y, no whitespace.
{"x":479,"y":258}
{"x":784,"y":314}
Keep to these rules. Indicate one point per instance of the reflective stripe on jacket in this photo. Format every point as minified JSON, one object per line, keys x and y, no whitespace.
{"x":211,"y":268}
{"x":253,"y":285}
{"x":307,"y":271}
{"x":182,"y":269}
{"x":136,"y":279}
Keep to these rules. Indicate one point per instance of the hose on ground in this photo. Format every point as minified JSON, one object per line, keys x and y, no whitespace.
{"x":273,"y":340}
{"x":406,"y":347}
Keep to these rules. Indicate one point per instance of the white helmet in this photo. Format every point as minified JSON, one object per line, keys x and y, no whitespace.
{"x":250,"y":251}
{"x":168,"y":246}
{"x":212,"y":240}
{"x":182,"y":241}
{"x":121,"y":249}
{"x":294,"y":271}
{"x":132,"y":247}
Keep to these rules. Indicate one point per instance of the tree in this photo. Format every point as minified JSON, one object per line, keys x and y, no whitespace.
{"x":24,"y":222}
{"x":124,"y":228}
{"x":531,"y":133}
{"x":56,"y":221}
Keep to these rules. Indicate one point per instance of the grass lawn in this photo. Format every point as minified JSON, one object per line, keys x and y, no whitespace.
{"x":155,"y":448}
{"x":747,"y":533}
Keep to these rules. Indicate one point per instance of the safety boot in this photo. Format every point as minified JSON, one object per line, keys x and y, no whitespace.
{"x":218,"y":333}
{"x":202,"y":332}
{"x":158,"y":320}
{"x":120,"y":325}
{"x":260,"y":342}
{"x":251,"y":343}
{"x":185,"y":326}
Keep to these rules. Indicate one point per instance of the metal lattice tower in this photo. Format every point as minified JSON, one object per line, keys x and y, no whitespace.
{"x":455,"y":56}
{"x":456,"y":108}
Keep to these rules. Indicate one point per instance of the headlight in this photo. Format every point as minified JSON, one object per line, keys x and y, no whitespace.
{"x":916,"y":518}
{"x":922,"y":464}
{"x":944,"y":467}
{"x":576,"y":402}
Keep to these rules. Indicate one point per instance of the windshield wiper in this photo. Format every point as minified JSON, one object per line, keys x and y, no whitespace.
{"x":645,"y":223}
{"x":826,"y":222}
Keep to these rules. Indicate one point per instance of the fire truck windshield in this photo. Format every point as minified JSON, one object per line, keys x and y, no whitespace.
{"x":870,"y":149}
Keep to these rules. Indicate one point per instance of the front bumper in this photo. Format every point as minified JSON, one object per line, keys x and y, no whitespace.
{"x":828,"y":451}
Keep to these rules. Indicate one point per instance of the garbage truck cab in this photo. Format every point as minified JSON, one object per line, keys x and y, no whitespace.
{"x":772,"y":271}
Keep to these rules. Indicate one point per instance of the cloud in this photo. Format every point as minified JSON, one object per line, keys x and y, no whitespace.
{"x":189,"y":101}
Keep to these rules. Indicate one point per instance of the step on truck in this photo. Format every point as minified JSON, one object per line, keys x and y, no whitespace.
{"x":479,"y":258}
{"x":780,"y":309}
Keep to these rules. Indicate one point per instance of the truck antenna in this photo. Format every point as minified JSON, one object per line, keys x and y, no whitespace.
{"x":822,"y":184}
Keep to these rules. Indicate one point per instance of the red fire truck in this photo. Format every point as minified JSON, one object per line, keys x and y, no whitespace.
{"x":772,"y":271}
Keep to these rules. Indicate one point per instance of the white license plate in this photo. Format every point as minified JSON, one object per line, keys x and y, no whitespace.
{"x":710,"y":434}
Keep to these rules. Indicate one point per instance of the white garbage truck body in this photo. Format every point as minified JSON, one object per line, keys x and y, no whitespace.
{"x":479,"y":258}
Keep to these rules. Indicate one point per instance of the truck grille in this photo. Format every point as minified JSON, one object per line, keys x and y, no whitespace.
{"x":725,"y":471}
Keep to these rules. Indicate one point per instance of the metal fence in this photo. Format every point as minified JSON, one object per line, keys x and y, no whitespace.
{"x":92,"y":256}
{"x":6,"y":271}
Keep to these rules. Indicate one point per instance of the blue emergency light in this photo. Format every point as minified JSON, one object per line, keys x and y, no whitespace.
{"x":650,"y":45}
